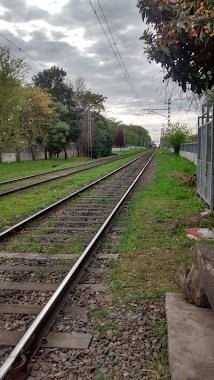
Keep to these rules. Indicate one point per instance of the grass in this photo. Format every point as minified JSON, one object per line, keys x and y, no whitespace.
{"x":18,"y":206}
{"x":130,"y":150}
{"x":12,"y":170}
{"x":28,"y":243}
{"x":107,"y":325}
{"x":101,"y":376}
{"x":100,"y":313}
{"x":154,"y":244}
{"x":40,"y":274}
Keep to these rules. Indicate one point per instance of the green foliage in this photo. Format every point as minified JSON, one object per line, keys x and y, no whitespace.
{"x":102,"y":139}
{"x":100,"y":313}
{"x":53,"y":80}
{"x":56,"y":137}
{"x":119,"y":139}
{"x":134,"y":134}
{"x":176,"y":135}
{"x":181,"y":40}
{"x":93,"y":101}
{"x":55,"y":112}
{"x":10,"y":97}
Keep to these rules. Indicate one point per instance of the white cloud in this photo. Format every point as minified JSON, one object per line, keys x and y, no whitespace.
{"x":76,"y":38}
{"x":27,"y":38}
{"x":2,"y":10}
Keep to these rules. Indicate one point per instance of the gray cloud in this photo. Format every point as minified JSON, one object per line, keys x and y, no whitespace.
{"x":18,"y":11}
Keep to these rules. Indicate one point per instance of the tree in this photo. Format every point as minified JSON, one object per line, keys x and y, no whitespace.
{"x":102,"y":141}
{"x":181,"y":40}
{"x":54,"y":81}
{"x":119,"y":139}
{"x":89,"y":102}
{"x":134,"y":134}
{"x":176,"y":135}
{"x":57,"y":133}
{"x":85,"y":99}
{"x":55,"y":138}
{"x":137,"y":135}
{"x":10,"y":96}
{"x":36,"y":114}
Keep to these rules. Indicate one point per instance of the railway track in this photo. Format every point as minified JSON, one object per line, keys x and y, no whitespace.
{"x":23,"y":183}
{"x":41,"y":290}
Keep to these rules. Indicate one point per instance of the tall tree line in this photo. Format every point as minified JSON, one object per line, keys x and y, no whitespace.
{"x":53,"y":111}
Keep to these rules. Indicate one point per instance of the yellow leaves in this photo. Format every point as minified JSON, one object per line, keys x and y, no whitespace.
{"x":36,"y":112}
{"x":39,"y":99}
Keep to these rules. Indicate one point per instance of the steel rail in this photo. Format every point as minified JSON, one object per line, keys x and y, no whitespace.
{"x":35,"y":329}
{"x":60,"y":176}
{"x":66,"y":168}
{"x":56,"y":204}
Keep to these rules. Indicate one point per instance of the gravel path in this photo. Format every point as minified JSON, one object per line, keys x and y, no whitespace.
{"x":124,"y":346}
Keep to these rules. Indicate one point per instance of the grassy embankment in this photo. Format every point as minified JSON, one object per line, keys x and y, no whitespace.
{"x":154,"y":243}
{"x":15,"y":207}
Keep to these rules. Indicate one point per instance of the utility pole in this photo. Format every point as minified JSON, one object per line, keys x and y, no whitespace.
{"x":162,"y":137}
{"x":136,"y":137}
{"x":124,"y":136}
{"x":169,"y":112}
{"x":89,"y":134}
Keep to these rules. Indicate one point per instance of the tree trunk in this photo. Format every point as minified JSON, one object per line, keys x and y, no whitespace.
{"x":66,"y":153}
{"x":78,"y":149}
{"x":18,"y":156}
{"x":46,"y":154}
{"x":32,"y":153}
{"x":0,"y":156}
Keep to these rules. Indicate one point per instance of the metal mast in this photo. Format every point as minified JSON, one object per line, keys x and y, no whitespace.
{"x":89,"y":134}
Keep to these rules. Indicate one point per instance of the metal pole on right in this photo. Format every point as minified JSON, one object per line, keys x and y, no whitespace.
{"x":89,"y":134}
{"x":169,"y":112}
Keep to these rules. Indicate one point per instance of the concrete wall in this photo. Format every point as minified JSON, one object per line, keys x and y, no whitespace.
{"x":24,"y":156}
{"x":8,"y":157}
{"x":189,"y":155}
{"x":39,"y":153}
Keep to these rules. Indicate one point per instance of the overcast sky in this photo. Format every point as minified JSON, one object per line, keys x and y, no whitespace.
{"x":66,"y":33}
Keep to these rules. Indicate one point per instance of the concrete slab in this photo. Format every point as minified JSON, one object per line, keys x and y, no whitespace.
{"x":190,"y":340}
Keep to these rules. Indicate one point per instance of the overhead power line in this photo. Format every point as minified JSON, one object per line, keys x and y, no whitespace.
{"x":123,"y":63}
{"x":116,"y":52}
{"x":25,"y":63}
{"x":20,"y":49}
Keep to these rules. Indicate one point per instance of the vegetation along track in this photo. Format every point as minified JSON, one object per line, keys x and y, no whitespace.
{"x":30,"y":281}
{"x":18,"y":184}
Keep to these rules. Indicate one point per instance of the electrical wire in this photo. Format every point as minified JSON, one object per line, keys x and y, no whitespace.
{"x":121,"y":62}
{"x":22,"y":50}
{"x":125,"y":69}
{"x":25,"y":63}
{"x":114,"y":52}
